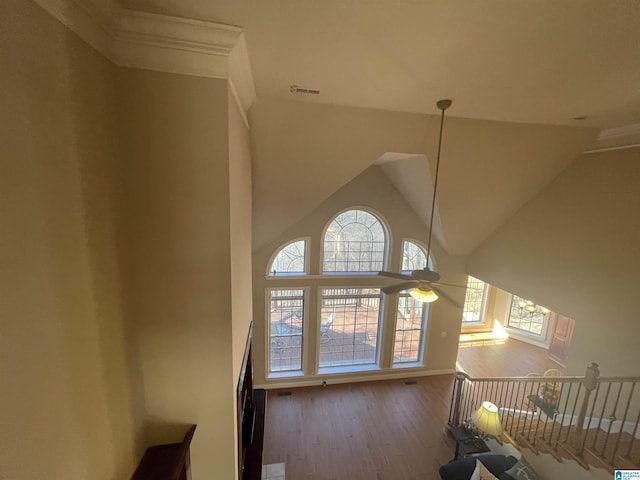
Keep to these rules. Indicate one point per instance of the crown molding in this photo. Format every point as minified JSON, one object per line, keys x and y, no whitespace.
{"x":164,"y":43}
{"x":618,"y":132}
{"x":84,"y":19}
{"x":627,"y":136}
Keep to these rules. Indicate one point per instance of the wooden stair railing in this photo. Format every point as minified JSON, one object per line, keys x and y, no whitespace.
{"x":591,"y":420}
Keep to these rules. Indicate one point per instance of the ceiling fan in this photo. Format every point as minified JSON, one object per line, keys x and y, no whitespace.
{"x":424,"y":283}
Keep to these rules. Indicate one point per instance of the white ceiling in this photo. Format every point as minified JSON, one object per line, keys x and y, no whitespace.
{"x":518,"y":72}
{"x":542,"y":61}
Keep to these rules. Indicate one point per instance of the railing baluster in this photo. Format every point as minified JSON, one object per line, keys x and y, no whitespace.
{"x":604,"y":405}
{"x":535,"y":435}
{"x":553,"y":418}
{"x":564,"y":414}
{"x":571,"y":403}
{"x":593,"y":407}
{"x":633,"y":435}
{"x":624,"y":419}
{"x":612,"y":418}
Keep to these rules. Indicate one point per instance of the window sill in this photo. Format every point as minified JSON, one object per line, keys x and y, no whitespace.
{"x":348,"y":369}
{"x":400,"y":366}
{"x":287,"y":374}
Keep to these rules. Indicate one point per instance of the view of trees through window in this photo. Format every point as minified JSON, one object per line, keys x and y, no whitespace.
{"x":474,"y":301}
{"x":354,"y":242}
{"x":349,"y":315}
{"x":290,"y":260}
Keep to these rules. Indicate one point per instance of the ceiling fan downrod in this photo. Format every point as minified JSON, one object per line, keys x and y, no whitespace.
{"x":442,"y":105}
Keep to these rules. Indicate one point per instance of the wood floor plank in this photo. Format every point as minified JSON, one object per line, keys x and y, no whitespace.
{"x":512,"y":358}
{"x":384,"y":430}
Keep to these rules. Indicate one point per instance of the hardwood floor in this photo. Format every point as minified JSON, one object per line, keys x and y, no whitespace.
{"x":384,"y":430}
{"x":512,"y":358}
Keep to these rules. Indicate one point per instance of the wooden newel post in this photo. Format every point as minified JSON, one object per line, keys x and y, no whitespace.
{"x":459,"y":380}
{"x":590,"y":382}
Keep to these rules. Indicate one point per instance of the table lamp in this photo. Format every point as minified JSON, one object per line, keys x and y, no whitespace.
{"x":487,"y":420}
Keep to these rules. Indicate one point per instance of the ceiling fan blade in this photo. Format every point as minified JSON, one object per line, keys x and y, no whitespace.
{"x":399,"y":287}
{"x":445,"y":296}
{"x":399,"y":276}
{"x":425,"y":275}
{"x":448,"y":285}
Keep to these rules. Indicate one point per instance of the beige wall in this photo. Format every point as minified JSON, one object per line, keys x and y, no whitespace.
{"x":175,"y":146}
{"x":372,"y":190}
{"x":240,"y":199}
{"x":575,"y":249}
{"x":304,"y":152}
{"x":240,"y":234}
{"x":65,"y":401}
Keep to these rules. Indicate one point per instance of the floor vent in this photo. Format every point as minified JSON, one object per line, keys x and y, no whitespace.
{"x":411,"y":382}
{"x":284,"y":394}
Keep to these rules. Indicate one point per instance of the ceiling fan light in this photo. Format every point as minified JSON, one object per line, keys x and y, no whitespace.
{"x":530,"y":308}
{"x":422,"y":295}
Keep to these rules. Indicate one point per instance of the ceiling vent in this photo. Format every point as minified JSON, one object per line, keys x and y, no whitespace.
{"x":299,"y":89}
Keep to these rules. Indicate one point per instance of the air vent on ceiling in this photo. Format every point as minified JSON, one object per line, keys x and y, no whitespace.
{"x":284,"y":394}
{"x":411,"y":382}
{"x":299,"y":89}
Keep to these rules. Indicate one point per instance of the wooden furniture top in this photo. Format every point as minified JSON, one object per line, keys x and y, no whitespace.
{"x":166,"y":462}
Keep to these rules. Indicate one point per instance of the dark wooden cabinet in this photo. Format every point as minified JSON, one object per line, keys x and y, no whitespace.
{"x":166,"y":462}
{"x":251,"y":411}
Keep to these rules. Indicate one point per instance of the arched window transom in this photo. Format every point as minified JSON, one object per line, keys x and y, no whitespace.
{"x":290,"y":260}
{"x":355,"y":242}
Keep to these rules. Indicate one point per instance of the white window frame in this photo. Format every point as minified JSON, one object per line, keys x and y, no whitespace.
{"x":305,"y":329}
{"x":482,"y":322}
{"x":307,"y":243}
{"x":387,"y":241}
{"x":326,"y":370}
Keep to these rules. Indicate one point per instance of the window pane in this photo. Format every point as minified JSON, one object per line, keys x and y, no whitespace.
{"x":354,"y":242}
{"x":289,"y":260}
{"x":529,"y":321}
{"x":410,"y":325}
{"x":349,"y":326}
{"x":413,"y":257}
{"x":474,"y":301}
{"x":286,"y":321}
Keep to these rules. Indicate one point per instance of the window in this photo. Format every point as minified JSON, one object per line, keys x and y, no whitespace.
{"x":286,"y":321}
{"x":413,"y":257}
{"x":355,"y":242}
{"x":290,"y":260}
{"x":353,"y":315}
{"x":333,"y":324}
{"x":411,"y":315}
{"x":527,"y":316}
{"x":410,"y":329}
{"x":474,"y":301}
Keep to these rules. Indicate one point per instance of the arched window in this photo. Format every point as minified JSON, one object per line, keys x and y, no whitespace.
{"x":414,"y":257}
{"x":355,"y":242}
{"x":290,"y":259}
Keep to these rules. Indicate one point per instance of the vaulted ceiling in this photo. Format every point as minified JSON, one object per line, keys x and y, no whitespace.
{"x":519,"y":74}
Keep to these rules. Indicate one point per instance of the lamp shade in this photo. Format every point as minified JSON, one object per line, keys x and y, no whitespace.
{"x":423,"y":295}
{"x":487,"y":420}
